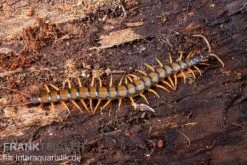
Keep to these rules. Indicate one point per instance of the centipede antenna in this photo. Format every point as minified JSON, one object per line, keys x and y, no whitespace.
{"x":191,"y":71}
{"x":214,"y":55}
{"x":205,"y":39}
{"x":144,"y":97}
{"x":149,"y":67}
{"x":154,"y":92}
{"x":198,"y":70}
{"x":16,"y":91}
{"x":160,"y":63}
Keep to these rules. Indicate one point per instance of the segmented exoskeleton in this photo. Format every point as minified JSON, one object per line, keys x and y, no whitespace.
{"x":161,"y":77}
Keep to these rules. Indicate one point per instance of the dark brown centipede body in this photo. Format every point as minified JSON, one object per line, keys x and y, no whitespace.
{"x":161,"y":77}
{"x":130,"y":89}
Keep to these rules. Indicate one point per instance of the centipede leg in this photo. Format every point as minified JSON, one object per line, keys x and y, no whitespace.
{"x":191,"y":71}
{"x":99,"y":101}
{"x":149,"y":67}
{"x":119,"y":103}
{"x":81,"y":100}
{"x":199,"y":71}
{"x":49,"y":91}
{"x":162,"y":87}
{"x":167,"y":83}
{"x":183,"y":74}
{"x":181,"y":53}
{"x":170,"y":58}
{"x":108,"y":101}
{"x":160,"y":63}
{"x":154,"y":92}
{"x":91,"y":100}
{"x":144,"y":97}
{"x":132,"y":102}
{"x":142,"y":72}
{"x":175,"y":81}
{"x":72,"y":101}
{"x":170,"y":80}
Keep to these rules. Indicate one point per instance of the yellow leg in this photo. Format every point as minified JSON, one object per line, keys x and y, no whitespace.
{"x":167,"y":83}
{"x":170,"y":58}
{"x":162,"y":87}
{"x":120,"y":82}
{"x":85,"y":105}
{"x":198,"y":70}
{"x":144,"y":97}
{"x":96,"y":107}
{"x":154,"y":92}
{"x":170,"y":80}
{"x":47,"y":89}
{"x":128,"y":79}
{"x":81,"y":100}
{"x":54,"y":87}
{"x":175,"y":81}
{"x":76,"y":105}
{"x":180,"y":56}
{"x":65,"y":105}
{"x":119,"y":103}
{"x":91,"y":105}
{"x":132,"y":102}
{"x":134,"y":76}
{"x":108,"y":101}
{"x":106,"y":104}
{"x":183,"y":74}
{"x":142,"y":72}
{"x":110,"y":84}
{"x":191,"y":71}
{"x":69,"y":84}
{"x":79,"y":81}
{"x":158,"y":61}
{"x":149,"y":67}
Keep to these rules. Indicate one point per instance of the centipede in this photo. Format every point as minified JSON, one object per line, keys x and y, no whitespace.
{"x":130,"y":86}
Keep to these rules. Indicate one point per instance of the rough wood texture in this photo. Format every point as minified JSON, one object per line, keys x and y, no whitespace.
{"x":202,"y":122}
